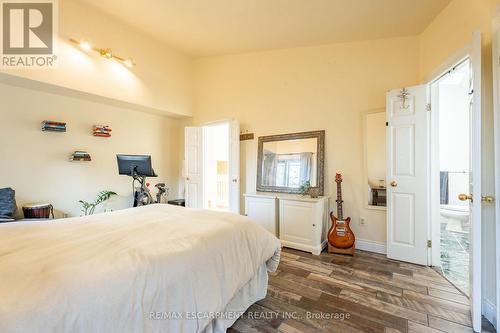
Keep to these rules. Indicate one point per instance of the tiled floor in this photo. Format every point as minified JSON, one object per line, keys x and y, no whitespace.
{"x":366,"y":293}
{"x":455,"y":253}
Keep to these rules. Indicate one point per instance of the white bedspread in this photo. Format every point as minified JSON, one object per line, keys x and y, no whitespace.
{"x":127,"y":271}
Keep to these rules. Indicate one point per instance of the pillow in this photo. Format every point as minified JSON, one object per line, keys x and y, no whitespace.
{"x":8,"y":205}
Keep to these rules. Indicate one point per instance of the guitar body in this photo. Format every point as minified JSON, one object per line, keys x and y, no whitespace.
{"x":340,"y":234}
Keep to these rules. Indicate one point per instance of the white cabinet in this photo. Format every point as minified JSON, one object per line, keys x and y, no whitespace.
{"x":299,"y":222}
{"x":262,"y":208}
{"x":303,"y":223}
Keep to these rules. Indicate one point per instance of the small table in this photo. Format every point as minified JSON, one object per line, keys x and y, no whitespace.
{"x":177,"y":202}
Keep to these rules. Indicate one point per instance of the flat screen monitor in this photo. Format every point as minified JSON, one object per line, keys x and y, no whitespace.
{"x":135,"y":165}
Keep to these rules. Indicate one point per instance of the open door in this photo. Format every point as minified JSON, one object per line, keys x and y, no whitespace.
{"x":212,"y":166}
{"x":234,"y":166}
{"x":407,"y":174}
{"x":193,"y":142}
{"x":496,"y":104}
{"x":475,"y":194}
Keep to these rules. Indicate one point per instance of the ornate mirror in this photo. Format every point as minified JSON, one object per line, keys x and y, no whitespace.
{"x":288,"y":161}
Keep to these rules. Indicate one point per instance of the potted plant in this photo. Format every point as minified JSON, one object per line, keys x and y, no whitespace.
{"x":88,"y":208}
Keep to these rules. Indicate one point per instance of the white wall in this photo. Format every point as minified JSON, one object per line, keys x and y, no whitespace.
{"x":36,"y":165}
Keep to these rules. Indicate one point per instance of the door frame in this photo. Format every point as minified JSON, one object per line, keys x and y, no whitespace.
{"x":476,"y":230}
{"x":435,"y":255}
{"x":496,"y":130}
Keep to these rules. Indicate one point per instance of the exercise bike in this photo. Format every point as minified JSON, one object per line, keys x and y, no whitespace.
{"x":142,"y":195}
{"x":139,"y":167}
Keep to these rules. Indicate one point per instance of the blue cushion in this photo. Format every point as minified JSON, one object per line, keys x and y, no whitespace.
{"x":8,"y":205}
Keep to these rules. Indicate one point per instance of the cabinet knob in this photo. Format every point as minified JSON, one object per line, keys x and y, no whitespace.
{"x":314,"y":225}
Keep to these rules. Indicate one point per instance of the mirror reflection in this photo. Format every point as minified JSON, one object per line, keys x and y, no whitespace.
{"x":376,"y":158}
{"x":290,"y":163}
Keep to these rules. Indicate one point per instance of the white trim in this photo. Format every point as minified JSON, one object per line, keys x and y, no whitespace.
{"x":379,"y":208}
{"x":454,"y":60}
{"x":434,"y":214}
{"x":476,"y":230}
{"x":496,"y":116}
{"x":490,"y":312}
{"x":371,"y":246}
{"x":316,"y":250}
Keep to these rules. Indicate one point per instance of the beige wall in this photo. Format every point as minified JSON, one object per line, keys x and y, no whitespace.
{"x":325,"y":87}
{"x":160,"y":83}
{"x":450,"y":32}
{"x":36,"y":165}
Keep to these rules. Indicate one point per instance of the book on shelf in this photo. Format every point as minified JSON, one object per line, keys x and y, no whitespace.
{"x":51,"y":129}
{"x":85,"y":159}
{"x":102,"y":128}
{"x":53,"y":123}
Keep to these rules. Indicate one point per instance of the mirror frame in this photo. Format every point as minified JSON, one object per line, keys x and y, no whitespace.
{"x":319,"y":135}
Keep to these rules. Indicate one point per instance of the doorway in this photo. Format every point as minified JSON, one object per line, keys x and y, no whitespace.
{"x":451,"y":98}
{"x":212,"y":166}
{"x":215,"y":162}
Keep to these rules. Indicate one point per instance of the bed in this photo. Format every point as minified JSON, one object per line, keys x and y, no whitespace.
{"x":158,"y":268}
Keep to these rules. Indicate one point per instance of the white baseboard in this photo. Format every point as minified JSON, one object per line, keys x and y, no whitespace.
{"x":490,"y":312}
{"x":371,"y":246}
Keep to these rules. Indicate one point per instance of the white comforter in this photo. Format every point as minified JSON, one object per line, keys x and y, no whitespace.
{"x":127,"y":271}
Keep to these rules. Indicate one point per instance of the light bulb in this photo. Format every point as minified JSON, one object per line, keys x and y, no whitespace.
{"x":129,"y":63}
{"x":85,"y":46}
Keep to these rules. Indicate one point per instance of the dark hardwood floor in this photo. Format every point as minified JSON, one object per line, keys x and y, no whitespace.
{"x":364,"y":293}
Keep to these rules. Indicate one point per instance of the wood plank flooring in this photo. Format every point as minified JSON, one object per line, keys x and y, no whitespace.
{"x":364,"y":293}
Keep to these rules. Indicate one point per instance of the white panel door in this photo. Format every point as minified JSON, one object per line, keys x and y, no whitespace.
{"x":407,"y":174}
{"x":475,"y":181}
{"x":234,"y":166}
{"x":496,"y":99}
{"x":193,"y":146}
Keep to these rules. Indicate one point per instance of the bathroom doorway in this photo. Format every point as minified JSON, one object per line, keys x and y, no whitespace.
{"x":451,"y":100}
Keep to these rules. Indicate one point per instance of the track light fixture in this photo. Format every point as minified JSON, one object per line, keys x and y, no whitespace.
{"x":104,"y":52}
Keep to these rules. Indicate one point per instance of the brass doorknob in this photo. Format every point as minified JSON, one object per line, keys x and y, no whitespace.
{"x":464,"y":197}
{"x":394,"y":183}
{"x":488,"y":199}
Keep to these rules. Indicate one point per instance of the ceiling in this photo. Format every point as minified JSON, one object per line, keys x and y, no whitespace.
{"x":215,"y":27}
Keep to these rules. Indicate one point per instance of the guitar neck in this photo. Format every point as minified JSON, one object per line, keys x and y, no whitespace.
{"x":340,"y":214}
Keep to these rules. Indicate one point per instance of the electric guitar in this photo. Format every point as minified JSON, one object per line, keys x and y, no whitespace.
{"x":340,"y":234}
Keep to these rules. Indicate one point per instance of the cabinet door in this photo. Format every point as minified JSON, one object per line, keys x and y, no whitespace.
{"x":296,"y":220}
{"x":262,"y":211}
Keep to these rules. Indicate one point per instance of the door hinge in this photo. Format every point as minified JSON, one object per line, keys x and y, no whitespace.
{"x":428,"y":107}
{"x":429,"y":243}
